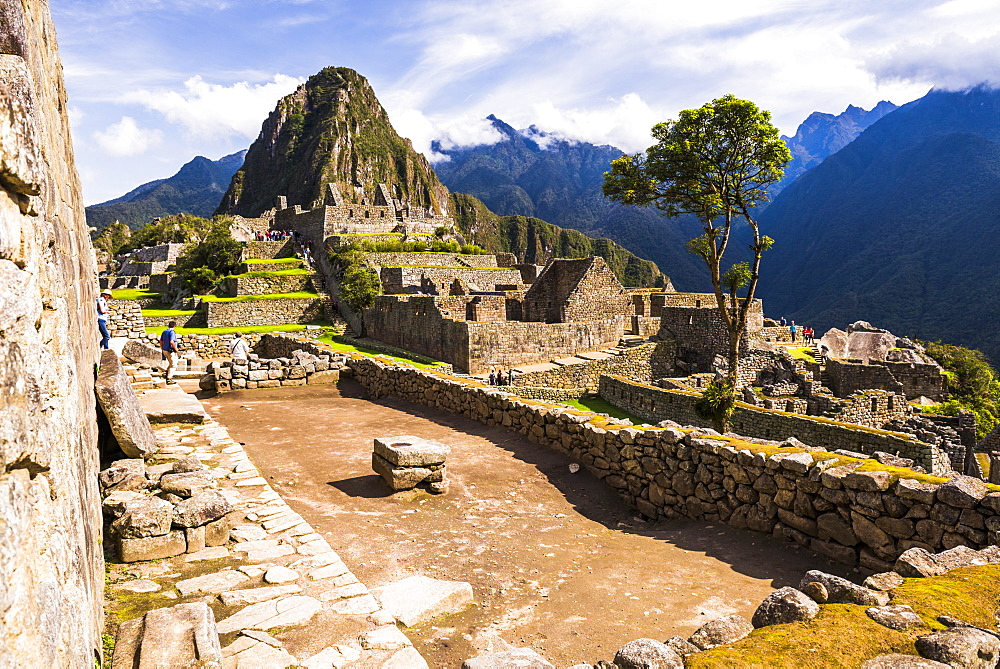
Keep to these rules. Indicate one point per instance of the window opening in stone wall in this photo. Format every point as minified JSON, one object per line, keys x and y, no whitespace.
{"x":697,"y":304}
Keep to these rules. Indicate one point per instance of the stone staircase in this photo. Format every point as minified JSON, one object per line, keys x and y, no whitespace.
{"x":319,"y":285}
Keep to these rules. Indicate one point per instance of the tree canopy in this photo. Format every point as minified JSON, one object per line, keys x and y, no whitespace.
{"x":716,"y":162}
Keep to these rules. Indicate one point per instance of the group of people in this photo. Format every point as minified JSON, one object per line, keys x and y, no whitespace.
{"x":307,"y":252}
{"x":808,"y":334}
{"x":501,"y":378}
{"x":273,"y":235}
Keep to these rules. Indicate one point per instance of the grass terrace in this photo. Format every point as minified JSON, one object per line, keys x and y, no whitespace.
{"x":329,"y":340}
{"x":266,"y":261}
{"x":300,"y":295}
{"x":802,"y":354}
{"x":600,"y":405}
{"x":134,"y":294}
{"x":247,"y":329}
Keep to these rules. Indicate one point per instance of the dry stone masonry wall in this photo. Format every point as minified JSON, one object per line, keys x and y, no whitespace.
{"x":263,"y":312}
{"x":51,"y":566}
{"x":854,"y":510}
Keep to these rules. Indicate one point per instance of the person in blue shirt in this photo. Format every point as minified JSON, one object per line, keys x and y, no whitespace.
{"x":102,"y":318}
{"x":168,"y":344}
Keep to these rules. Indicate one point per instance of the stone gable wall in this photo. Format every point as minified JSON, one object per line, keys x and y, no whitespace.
{"x":263,"y":312}
{"x":656,"y":404}
{"x":51,"y":562}
{"x":808,"y":497}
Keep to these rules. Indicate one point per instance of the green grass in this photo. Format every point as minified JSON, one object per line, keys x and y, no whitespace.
{"x":600,"y":405}
{"x":300,"y":295}
{"x":351,"y":348}
{"x":245,"y":329}
{"x":276,"y":272}
{"x":134,"y":294}
{"x":970,"y":594}
{"x":801,"y":354}
{"x":161,"y":313}
{"x":264,"y":261}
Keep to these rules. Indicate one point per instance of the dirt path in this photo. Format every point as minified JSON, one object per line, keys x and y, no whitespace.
{"x":556,"y":560}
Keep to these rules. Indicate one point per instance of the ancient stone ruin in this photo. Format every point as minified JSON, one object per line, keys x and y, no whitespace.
{"x":407,"y":462}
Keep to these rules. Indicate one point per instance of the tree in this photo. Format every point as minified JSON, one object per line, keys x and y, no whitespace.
{"x":716,"y":162}
{"x":111,"y":240}
{"x":214,"y":255}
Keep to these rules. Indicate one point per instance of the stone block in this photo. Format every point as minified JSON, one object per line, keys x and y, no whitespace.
{"x":186,"y":484}
{"x":418,"y":599}
{"x":522,"y":658}
{"x":142,"y":354}
{"x":399,"y":478}
{"x":179,"y":636}
{"x":172,"y":405}
{"x":284,"y":612}
{"x":217,"y":531}
{"x":201,"y":509}
{"x":721,"y":631}
{"x":145,"y":517}
{"x":223,"y":385}
{"x":152,"y":548}
{"x":120,"y":405}
{"x":323,"y":377}
{"x":195,"y":538}
{"x":407,"y":451}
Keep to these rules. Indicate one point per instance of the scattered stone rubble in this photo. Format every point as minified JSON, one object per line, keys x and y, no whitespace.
{"x":407,"y":462}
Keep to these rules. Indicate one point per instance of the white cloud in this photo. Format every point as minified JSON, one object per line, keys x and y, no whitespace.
{"x":209,"y":110}
{"x":951,"y":62}
{"x":624,"y":123}
{"x":449,"y":132}
{"x":126,"y":138}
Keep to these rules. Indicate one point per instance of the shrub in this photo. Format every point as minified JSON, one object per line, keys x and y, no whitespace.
{"x":717,"y":403}
{"x":359,"y":286}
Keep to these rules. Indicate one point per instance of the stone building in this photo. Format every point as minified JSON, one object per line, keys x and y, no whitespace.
{"x":579,"y":289}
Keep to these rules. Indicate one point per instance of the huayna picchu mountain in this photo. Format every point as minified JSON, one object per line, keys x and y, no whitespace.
{"x":333,"y":129}
{"x":195,"y":189}
{"x":899,"y":227}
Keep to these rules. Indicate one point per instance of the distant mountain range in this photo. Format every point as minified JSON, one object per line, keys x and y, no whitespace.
{"x":195,"y":189}
{"x":529,"y":173}
{"x":900,"y":227}
{"x":822,"y":135}
{"x":333,"y":129}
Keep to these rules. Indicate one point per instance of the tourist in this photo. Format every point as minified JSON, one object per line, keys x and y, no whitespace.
{"x":793,"y":329}
{"x":493,"y":378}
{"x":168,"y":344}
{"x":238,"y":347}
{"x":807,"y":332}
{"x":102,"y":318}
{"x":782,"y":321}
{"x":510,"y":378}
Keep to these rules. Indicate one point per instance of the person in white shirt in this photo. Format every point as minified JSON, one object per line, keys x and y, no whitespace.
{"x":102,"y":317}
{"x":238,"y":347}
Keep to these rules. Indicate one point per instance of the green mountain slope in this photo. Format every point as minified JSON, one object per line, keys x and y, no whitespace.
{"x":899,"y":228}
{"x":334,"y":130}
{"x":195,"y":189}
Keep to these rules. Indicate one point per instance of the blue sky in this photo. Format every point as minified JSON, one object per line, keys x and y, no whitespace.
{"x":152,"y":83}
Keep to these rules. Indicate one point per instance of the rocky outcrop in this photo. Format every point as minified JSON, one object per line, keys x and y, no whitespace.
{"x":331,"y":129}
{"x":51,"y":570}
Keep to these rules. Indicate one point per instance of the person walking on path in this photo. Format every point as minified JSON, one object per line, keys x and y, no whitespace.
{"x":793,"y":329}
{"x":168,"y":344}
{"x":238,"y":347}
{"x":102,"y":317}
{"x":783,"y":322}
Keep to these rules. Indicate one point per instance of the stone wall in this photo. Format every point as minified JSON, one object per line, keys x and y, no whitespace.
{"x":203,"y":346}
{"x":700,"y":332}
{"x":51,"y":562}
{"x":643,"y":363}
{"x":299,"y":369}
{"x":645,"y":326}
{"x":872,"y":408}
{"x":418,"y":323}
{"x":263,"y":312}
{"x":579,"y":289}
{"x":270,"y":250}
{"x":125,"y":319}
{"x":657,"y":404}
{"x":427,"y":259}
{"x":409,"y":279}
{"x":918,"y":379}
{"x":237,"y":286}
{"x":812,"y":497}
{"x":846,"y":378}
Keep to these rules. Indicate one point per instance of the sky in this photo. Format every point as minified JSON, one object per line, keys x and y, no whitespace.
{"x":153,"y":83}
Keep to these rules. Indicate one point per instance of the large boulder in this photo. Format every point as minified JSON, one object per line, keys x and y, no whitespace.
{"x":121,"y":407}
{"x":201,"y":509}
{"x":841,"y":591}
{"x":647,"y":654}
{"x":962,"y":492}
{"x":722,"y":631}
{"x":895,"y":616}
{"x":964,"y":647}
{"x":145,"y":517}
{"x":143,"y":354}
{"x":186,"y":484}
{"x":124,"y":475}
{"x":898,"y":661}
{"x":786,"y":605}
